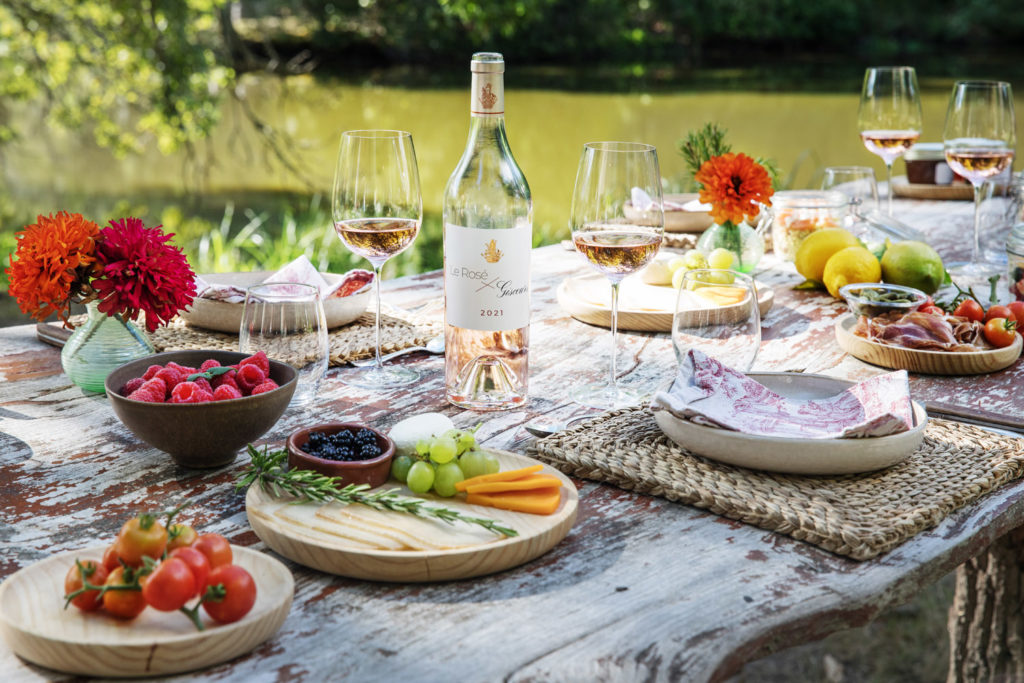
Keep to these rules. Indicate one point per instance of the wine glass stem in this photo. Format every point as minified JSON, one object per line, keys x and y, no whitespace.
{"x":976,"y":244}
{"x":888,"y":184}
{"x":379,"y":364}
{"x":612,"y":383}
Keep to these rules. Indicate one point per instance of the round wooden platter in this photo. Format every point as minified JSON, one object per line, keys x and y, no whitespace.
{"x":320,"y":548}
{"x":583,"y":298}
{"x":680,"y":220}
{"x":901,"y":188}
{"x":36,"y":626}
{"x":925,"y":362}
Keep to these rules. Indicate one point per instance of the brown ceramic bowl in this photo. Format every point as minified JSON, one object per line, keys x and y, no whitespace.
{"x":374,"y":471}
{"x":200,"y":434}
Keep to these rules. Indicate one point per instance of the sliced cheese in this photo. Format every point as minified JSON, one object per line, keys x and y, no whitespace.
{"x":305,"y":517}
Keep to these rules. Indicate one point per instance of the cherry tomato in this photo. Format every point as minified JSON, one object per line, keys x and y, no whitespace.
{"x":170,"y":585}
{"x":931,"y":308}
{"x":1000,"y":312}
{"x":970,"y":309}
{"x":141,"y":536}
{"x":196,"y":562}
{"x":239,"y":593}
{"x":1000,"y":332}
{"x":215,"y":547}
{"x":123,"y":604}
{"x":1017,"y":308}
{"x":180,"y":536}
{"x":110,"y":559}
{"x":96,"y":574}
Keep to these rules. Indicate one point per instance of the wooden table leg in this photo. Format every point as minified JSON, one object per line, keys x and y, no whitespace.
{"x":986,"y":622}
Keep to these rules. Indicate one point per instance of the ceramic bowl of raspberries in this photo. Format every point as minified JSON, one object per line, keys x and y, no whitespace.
{"x":201,"y":407}
{"x":356,"y":453}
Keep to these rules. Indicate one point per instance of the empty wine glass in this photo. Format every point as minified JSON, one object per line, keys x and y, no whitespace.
{"x":286,"y":321}
{"x":856,"y":182}
{"x":889,"y":118}
{"x":717,"y":313}
{"x":615,"y":244}
{"x":377,"y":211}
{"x":979,"y":140}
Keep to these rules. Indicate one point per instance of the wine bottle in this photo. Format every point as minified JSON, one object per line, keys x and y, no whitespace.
{"x":488,"y":233}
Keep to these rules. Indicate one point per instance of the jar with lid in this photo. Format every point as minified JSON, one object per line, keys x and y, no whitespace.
{"x":795,"y":214}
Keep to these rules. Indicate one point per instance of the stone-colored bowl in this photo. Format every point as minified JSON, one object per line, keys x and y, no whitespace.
{"x":200,"y":434}
{"x":374,"y":471}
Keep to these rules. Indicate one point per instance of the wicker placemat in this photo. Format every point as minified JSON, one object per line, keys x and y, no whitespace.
{"x":859,"y":516}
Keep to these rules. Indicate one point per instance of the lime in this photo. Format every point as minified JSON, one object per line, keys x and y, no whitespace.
{"x":852,"y":264}
{"x":818,"y":248}
{"x":913,"y":264}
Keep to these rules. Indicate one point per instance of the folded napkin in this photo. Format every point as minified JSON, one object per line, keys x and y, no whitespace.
{"x":709,"y":393}
{"x":642,"y":201}
{"x":301,"y":270}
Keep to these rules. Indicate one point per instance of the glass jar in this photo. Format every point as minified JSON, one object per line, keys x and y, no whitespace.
{"x":795,"y":214}
{"x":1015,"y":256}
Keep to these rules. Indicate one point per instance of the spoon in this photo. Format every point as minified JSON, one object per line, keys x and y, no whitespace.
{"x":434,"y":345}
{"x":541,"y":428}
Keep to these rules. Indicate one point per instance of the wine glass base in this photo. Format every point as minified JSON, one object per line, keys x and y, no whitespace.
{"x":380,"y":378}
{"x":604,"y":397}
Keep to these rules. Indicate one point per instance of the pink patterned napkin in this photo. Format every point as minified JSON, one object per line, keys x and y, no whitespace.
{"x":709,"y":393}
{"x":300,"y":270}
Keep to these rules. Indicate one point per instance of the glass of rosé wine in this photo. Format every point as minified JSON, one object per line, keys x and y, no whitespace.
{"x":617,"y":221}
{"x":889,"y":118}
{"x":377,"y":209}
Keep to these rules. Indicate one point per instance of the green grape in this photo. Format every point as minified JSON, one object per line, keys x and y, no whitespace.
{"x":720,"y":259}
{"x":442,"y":450}
{"x":448,"y":475}
{"x":473,"y":464}
{"x":420,"y":477}
{"x":721,"y":278}
{"x":465,"y":441}
{"x":423,"y":447}
{"x":676,"y":263}
{"x":695,"y":260}
{"x":491,"y":460}
{"x":400,"y":467}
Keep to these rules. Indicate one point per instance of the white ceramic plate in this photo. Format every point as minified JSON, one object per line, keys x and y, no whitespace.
{"x":227,"y":317}
{"x":795,"y":456}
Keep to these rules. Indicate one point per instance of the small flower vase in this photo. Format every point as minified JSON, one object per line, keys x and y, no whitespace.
{"x":742,"y":240}
{"x":99,"y":345}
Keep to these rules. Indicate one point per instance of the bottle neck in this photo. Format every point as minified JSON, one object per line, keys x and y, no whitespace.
{"x":488,"y":96}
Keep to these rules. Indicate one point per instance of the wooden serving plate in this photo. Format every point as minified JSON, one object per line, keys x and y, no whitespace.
{"x":925,"y":362}
{"x":680,"y":220}
{"x":901,"y":188}
{"x":642,"y":307}
{"x":38,"y":628}
{"x":335,"y":555}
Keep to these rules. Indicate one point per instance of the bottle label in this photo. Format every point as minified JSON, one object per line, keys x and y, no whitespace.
{"x":488,"y":93}
{"x":487,"y":277}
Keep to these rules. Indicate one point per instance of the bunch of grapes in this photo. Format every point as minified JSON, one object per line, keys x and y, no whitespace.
{"x":443,"y":461}
{"x":719,"y":259}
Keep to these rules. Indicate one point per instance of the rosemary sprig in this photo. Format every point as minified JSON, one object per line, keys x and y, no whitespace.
{"x":266,"y":470}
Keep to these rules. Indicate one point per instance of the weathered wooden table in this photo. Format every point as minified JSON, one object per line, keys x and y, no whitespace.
{"x":640,"y":588}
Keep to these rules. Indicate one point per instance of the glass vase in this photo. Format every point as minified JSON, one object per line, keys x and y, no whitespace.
{"x":742,"y":240}
{"x":99,"y":345}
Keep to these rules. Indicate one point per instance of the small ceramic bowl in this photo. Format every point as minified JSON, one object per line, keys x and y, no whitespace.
{"x":871,"y":299}
{"x":200,"y":434}
{"x":374,"y":471}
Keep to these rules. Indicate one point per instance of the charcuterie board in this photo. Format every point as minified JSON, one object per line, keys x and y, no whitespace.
{"x":363,"y":543}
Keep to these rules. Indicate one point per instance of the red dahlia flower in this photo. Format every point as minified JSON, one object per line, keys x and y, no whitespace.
{"x":141,"y":272}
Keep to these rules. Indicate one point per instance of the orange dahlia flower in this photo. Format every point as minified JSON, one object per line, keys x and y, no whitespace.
{"x":734,"y":185}
{"x":52,"y":263}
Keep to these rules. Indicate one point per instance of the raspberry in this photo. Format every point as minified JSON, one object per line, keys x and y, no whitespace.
{"x":227,"y":378}
{"x":171,"y":377}
{"x":207,"y":364}
{"x":131,"y":385}
{"x":152,"y":391}
{"x":204,"y":384}
{"x":259,"y":359}
{"x":226,"y":392}
{"x":248,"y":376}
{"x":263,"y":387}
{"x":188,"y":392}
{"x":204,"y":397}
{"x":151,"y":371}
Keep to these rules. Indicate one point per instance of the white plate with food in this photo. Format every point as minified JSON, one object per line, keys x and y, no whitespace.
{"x":795,"y":455}
{"x":339,"y":309}
{"x":924,"y":361}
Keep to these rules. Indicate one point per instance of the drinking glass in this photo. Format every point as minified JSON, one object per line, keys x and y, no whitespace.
{"x":613,"y":243}
{"x":978,"y":140}
{"x":286,"y":321}
{"x":889,"y":118}
{"x":857,"y":183}
{"x":717,"y":313}
{"x":377,"y":211}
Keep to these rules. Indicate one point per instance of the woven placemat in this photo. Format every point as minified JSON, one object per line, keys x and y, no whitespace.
{"x":859,"y":515}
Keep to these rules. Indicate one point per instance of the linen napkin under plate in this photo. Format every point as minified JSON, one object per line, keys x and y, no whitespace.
{"x":301,"y":270}
{"x":707,"y":392}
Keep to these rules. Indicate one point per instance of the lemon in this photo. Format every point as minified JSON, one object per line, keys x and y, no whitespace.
{"x":818,"y":248}
{"x":913,"y":264}
{"x":852,"y":264}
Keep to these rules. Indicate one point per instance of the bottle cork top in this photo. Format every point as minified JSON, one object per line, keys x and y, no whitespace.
{"x":487,"y":63}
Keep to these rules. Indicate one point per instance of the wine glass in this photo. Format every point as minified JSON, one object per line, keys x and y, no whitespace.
{"x":717,"y":313}
{"x":889,"y":118}
{"x":286,"y":321}
{"x":857,"y":183}
{"x":979,"y":140}
{"x":377,"y":211}
{"x":609,"y":175}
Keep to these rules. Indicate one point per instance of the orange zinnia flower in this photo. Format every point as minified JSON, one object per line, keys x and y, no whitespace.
{"x":734,"y":185}
{"x":52,"y":263}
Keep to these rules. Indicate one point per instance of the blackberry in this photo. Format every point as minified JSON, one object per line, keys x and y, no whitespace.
{"x":365,"y":436}
{"x":369,"y":450}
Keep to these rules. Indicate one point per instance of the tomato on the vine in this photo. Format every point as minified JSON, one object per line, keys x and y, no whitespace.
{"x":95,"y":573}
{"x":141,"y":536}
{"x":124,"y":604}
{"x":180,"y":536}
{"x":1017,"y":308}
{"x":170,"y":585}
{"x":215,"y":547}
{"x":197,"y":562}
{"x":239,"y":593}
{"x":932,"y":309}
{"x":1000,"y":332}
{"x":110,"y":559}
{"x":1000,"y":312}
{"x":970,"y":309}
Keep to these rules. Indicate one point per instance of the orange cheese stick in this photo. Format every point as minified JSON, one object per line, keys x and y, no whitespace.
{"x":535,"y":501}
{"x":507,"y":475}
{"x":540,"y":481}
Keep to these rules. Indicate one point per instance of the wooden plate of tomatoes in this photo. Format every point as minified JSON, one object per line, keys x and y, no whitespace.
{"x":37,"y":628}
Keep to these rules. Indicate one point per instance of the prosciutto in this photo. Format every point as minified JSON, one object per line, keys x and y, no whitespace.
{"x":923,"y":332}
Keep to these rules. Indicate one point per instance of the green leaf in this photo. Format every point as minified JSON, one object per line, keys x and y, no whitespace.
{"x":809,"y":285}
{"x":211,"y":373}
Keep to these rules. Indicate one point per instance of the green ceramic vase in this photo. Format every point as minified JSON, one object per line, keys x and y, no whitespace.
{"x":99,"y":345}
